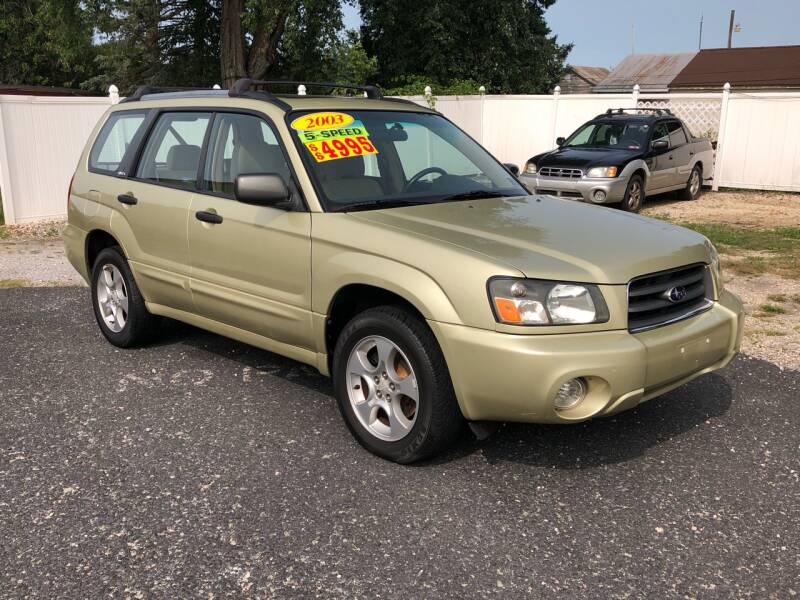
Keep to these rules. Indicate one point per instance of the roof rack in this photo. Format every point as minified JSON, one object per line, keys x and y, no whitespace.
{"x":144,"y":90}
{"x":622,"y":111}
{"x":243,"y":86}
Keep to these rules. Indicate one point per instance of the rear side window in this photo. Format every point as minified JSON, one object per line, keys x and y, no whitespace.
{"x":172,"y":153}
{"x":676,"y":135}
{"x":114,"y":139}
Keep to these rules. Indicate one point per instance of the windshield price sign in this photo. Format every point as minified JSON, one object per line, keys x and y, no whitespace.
{"x":332,"y":135}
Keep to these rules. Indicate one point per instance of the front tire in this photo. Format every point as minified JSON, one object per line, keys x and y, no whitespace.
{"x":118,"y":304}
{"x":634,"y":195}
{"x":693,"y":185}
{"x":393,"y":387}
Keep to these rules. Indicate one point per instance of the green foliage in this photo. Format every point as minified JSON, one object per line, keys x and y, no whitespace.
{"x":505,"y":45}
{"x":45,"y":42}
{"x":415,"y":86}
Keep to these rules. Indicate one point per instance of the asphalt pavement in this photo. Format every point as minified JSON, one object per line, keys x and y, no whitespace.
{"x":200,"y":467}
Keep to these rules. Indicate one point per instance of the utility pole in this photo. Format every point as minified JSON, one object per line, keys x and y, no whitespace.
{"x":730,"y":29}
{"x":700,"y":41}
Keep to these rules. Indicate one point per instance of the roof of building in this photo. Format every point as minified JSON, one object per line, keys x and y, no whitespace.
{"x":593,"y":75}
{"x":653,"y":72}
{"x":765,"y":66}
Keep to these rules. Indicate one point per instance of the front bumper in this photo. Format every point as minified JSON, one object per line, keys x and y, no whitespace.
{"x":503,"y":377}
{"x":578,"y":189}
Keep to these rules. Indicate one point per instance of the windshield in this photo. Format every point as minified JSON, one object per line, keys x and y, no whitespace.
{"x":628,"y":136}
{"x":361,"y":159}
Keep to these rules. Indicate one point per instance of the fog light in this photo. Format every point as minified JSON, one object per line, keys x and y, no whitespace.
{"x":570,"y":394}
{"x":599,"y":195}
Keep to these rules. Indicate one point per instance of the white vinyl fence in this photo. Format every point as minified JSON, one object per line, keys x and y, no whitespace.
{"x":757,"y":133}
{"x":41,"y":138}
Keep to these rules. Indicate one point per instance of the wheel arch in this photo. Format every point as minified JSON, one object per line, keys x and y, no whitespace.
{"x":98,"y":240}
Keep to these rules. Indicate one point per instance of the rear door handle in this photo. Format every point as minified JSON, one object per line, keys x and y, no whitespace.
{"x":127,"y":199}
{"x":208,"y":217}
{"x":670,"y":157}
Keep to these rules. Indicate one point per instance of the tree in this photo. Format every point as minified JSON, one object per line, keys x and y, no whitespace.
{"x":155,"y":42}
{"x":268,"y":22}
{"x":505,"y":45}
{"x":45,"y":42}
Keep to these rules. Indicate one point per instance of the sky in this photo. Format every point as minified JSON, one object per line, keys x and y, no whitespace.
{"x":603,"y":31}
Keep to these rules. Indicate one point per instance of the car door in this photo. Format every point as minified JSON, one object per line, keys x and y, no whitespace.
{"x":251,"y":269}
{"x":681,"y":152}
{"x":660,"y":162}
{"x":154,"y":204}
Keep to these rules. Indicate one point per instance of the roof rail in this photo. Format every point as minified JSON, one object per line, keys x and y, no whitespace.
{"x":242,"y":86}
{"x":144,"y":90}
{"x":622,"y":111}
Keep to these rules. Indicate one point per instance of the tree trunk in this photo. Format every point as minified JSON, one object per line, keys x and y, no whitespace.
{"x":232,"y":44}
{"x":263,"y":50}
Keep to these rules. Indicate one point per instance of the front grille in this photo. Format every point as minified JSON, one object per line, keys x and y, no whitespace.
{"x":668,"y":296}
{"x":563,"y":173}
{"x":561,"y":193}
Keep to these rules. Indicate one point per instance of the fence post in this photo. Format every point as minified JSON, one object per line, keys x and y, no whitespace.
{"x":556,"y":94}
{"x":113,"y":94}
{"x":636,"y":90}
{"x":723,"y":121}
{"x":482,"y":92}
{"x":5,"y":176}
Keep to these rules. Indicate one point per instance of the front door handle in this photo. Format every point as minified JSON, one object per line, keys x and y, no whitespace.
{"x":129,"y":199}
{"x":208,"y":217}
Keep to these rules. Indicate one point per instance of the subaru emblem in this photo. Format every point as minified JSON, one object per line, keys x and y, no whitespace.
{"x":676,"y":294}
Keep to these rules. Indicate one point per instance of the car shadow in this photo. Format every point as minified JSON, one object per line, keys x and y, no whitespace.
{"x":614,"y":439}
{"x":602,"y":441}
{"x":260,"y":361}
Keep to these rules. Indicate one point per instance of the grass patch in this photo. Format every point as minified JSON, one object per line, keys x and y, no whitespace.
{"x":749,"y":251}
{"x":12,"y":283}
{"x":769,"y":332}
{"x":773,"y":309}
{"x":780,"y":239}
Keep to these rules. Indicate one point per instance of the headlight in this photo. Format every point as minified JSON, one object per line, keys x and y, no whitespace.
{"x":538,"y":302}
{"x":530,"y":168}
{"x":602,"y":172}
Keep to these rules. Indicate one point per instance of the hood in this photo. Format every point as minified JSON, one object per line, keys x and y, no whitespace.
{"x":586,"y":158}
{"x":549,"y":238}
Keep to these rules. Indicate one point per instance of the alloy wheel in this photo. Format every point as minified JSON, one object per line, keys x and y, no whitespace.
{"x":382,"y":388}
{"x":112,"y":298}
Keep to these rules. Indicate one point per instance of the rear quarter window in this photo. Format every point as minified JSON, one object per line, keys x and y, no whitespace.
{"x":113,"y":141}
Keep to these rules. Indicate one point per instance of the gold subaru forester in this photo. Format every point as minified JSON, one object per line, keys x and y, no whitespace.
{"x":372,"y":238}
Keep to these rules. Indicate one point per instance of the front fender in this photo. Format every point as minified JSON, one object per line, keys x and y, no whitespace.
{"x":408,"y":282}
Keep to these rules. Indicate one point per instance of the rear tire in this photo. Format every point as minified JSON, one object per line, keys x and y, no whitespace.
{"x":693,"y":185}
{"x":634,"y":195}
{"x":380,"y":354}
{"x":118,"y":304}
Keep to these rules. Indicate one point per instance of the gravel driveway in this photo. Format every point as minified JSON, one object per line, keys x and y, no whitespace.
{"x":200,"y":467}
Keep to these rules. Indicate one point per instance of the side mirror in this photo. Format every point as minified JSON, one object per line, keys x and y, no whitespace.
{"x":263,"y":189}
{"x":514,"y":169}
{"x":661,"y":145}
{"x":560,"y":141}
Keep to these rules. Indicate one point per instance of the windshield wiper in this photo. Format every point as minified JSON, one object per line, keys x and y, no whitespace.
{"x":475,"y":194}
{"x":379,"y":204}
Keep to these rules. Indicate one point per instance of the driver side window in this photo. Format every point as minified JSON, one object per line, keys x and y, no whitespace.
{"x":660,"y":133}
